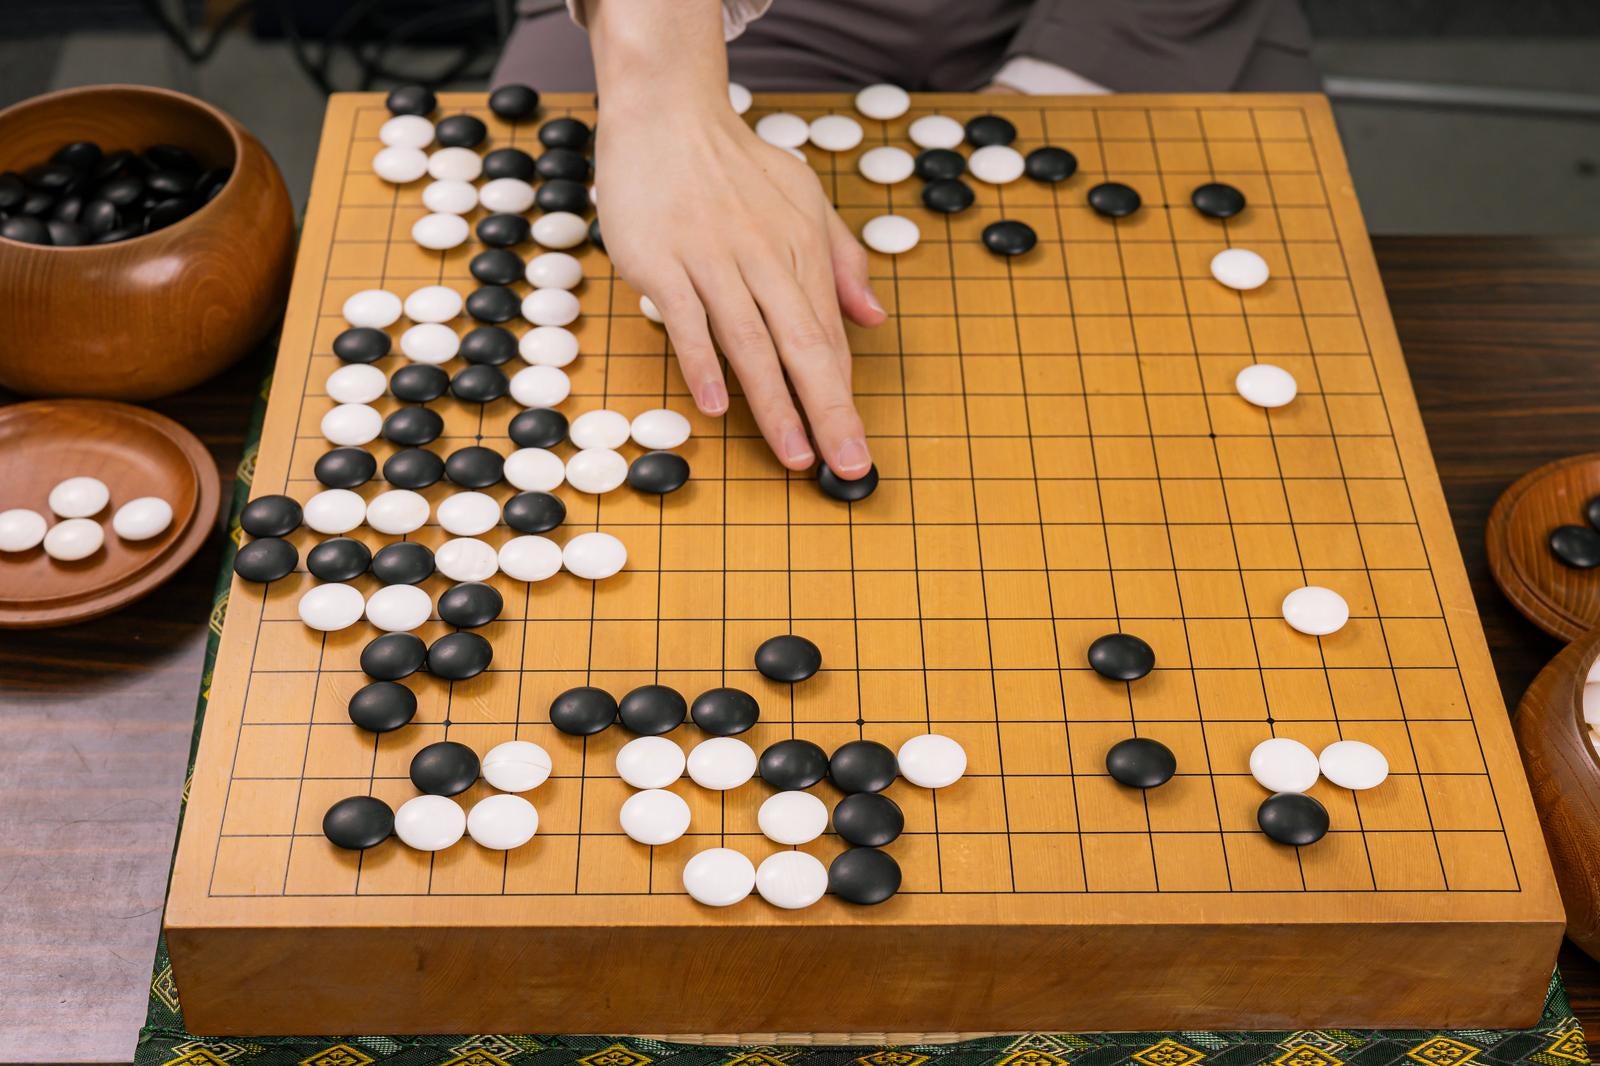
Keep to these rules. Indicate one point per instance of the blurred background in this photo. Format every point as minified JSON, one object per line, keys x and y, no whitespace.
{"x":1459,"y":116}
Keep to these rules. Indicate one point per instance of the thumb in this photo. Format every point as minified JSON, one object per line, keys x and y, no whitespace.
{"x":856,"y":298}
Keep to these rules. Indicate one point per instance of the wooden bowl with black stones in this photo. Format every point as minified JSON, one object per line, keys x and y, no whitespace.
{"x":1560,"y":599}
{"x":157,"y":313}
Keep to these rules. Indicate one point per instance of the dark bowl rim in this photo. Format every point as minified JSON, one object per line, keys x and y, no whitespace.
{"x":228,"y":124}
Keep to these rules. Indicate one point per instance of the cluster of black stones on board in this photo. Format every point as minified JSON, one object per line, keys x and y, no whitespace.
{"x":85,"y":195}
{"x":1579,"y":546}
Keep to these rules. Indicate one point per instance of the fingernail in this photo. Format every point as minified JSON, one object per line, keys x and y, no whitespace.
{"x":796,"y":448}
{"x":853,"y":455}
{"x":711,"y":397}
{"x":872,"y":301}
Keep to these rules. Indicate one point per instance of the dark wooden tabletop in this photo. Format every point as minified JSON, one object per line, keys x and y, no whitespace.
{"x":1503,"y":339}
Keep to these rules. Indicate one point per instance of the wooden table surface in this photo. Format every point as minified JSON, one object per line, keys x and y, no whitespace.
{"x":1501,"y":335}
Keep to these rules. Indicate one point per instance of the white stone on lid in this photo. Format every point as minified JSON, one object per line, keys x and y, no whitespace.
{"x":792,"y":817}
{"x":596,"y":470}
{"x":331,"y":607}
{"x":398,"y":608}
{"x":1284,"y":765}
{"x":722,"y":763}
{"x":648,"y":308}
{"x":550,"y":307}
{"x":891,"y":234}
{"x":654,"y":817}
{"x":534,"y":470}
{"x":335,"y":511}
{"x":835,"y":133}
{"x":399,"y":166}
{"x":739,"y":97}
{"x":430,"y":823}
{"x":540,"y":386}
{"x":21,"y":529}
{"x":886,"y":164}
{"x":997,"y":164}
{"x":440,"y":232}
{"x":455,"y":164}
{"x":594,"y":556}
{"x":553,"y":270}
{"x":600,"y":428}
{"x":450,"y":197}
{"x":430,"y":342}
{"x":509,"y":196}
{"x":467,"y":514}
{"x":1238,"y":268}
{"x":791,"y":879}
{"x":650,"y":762}
{"x":883,"y":102}
{"x":783,"y":129}
{"x":351,"y":424}
{"x":548,"y":346}
{"x":373,"y":308}
{"x":559,"y":229}
{"x":516,"y":766}
{"x":659,"y":429}
{"x":79,"y":497}
{"x":932,"y":760}
{"x":530,"y":558}
{"x":433,"y":303}
{"x":466,"y":559}
{"x":356,"y":383}
{"x":1353,"y":764}
{"x":502,"y":822}
{"x":406,"y":131}
{"x":397,"y":511}
{"x":74,"y":538}
{"x":936,"y":131}
{"x":1266,"y":385}
{"x":719,"y":877}
{"x":1315,"y":611}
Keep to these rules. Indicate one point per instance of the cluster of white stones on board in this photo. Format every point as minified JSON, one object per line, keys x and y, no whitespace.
{"x":76,"y":534}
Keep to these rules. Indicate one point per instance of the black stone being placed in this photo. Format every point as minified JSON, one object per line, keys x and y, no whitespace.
{"x":362,"y":344}
{"x":564,"y":133}
{"x":658,"y":472}
{"x":1009,"y":237}
{"x":458,"y":656}
{"x":413,"y":468}
{"x":562,"y":164}
{"x":538,"y":427}
{"x":1292,"y":818}
{"x":1216,"y":200}
{"x":862,"y":766}
{"x":985,"y":130}
{"x":561,"y":195}
{"x":479,"y":384}
{"x":338,"y":559}
{"x":460,"y":131}
{"x":792,"y":764}
{"x":419,"y":382}
{"x":1050,"y":164}
{"x":1121,"y":657}
{"x":534,"y":512}
{"x":788,"y":658}
{"x":345,"y":468}
{"x":867,"y":819}
{"x":1140,"y":762}
{"x":413,"y":425}
{"x":583,"y":712}
{"x":393,"y":656}
{"x":503,"y":230}
{"x":358,"y":822}
{"x":848,"y":491}
{"x":265,"y":559}
{"x":864,"y":876}
{"x":474,"y":467}
{"x":1114,"y":199}
{"x":725,"y":712}
{"x":497,"y":266}
{"x":514,"y":103}
{"x":1576,"y":546}
{"x":494,"y":303}
{"x":444,"y":768}
{"x":594,"y":235}
{"x":940,"y":164}
{"x":947,"y":195}
{"x":489,"y":345}
{"x":651,"y":710}
{"x":271,"y":516}
{"x":411,"y":100}
{"x":470,"y":605}
{"x":508,"y":163}
{"x":383,"y":706}
{"x":405,"y":562}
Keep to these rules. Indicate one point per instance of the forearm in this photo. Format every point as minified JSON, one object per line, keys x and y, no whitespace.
{"x":650,"y":54}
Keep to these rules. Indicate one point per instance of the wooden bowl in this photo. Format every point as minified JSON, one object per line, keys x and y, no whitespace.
{"x":1553,"y":596}
{"x":156,"y":314}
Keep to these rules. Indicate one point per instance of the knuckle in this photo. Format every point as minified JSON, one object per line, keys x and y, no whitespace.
{"x":747,"y":334}
{"x":808,"y":336}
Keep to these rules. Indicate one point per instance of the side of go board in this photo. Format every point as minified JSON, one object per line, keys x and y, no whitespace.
{"x":1062,"y":455}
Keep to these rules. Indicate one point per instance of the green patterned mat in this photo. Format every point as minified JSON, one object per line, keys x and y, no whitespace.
{"x":1557,"y":1040}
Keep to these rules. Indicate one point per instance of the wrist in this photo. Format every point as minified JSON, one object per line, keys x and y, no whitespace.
{"x":656,"y":55}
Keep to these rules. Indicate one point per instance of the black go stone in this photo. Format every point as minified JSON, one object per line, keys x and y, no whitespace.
{"x":1121,"y":657}
{"x":405,"y":562}
{"x":66,"y":234}
{"x":867,"y":819}
{"x":583,"y":712}
{"x":474,"y":467}
{"x":411,"y":100}
{"x":848,"y":491}
{"x":862,"y":766}
{"x":101,"y":216}
{"x":1576,"y":546}
{"x":52,"y":177}
{"x":26,"y":230}
{"x":444,"y":768}
{"x":362,"y":344}
{"x":124,"y":191}
{"x":1292,"y":818}
{"x":564,"y":133}
{"x":12,"y":191}
{"x":864,"y":876}
{"x":266,"y":559}
{"x":121,"y":233}
{"x":39,"y":203}
{"x":67,"y":209}
{"x":658,"y":472}
{"x":171,"y":157}
{"x":382,"y":706}
{"x":792,"y":764}
{"x":788,"y":658}
{"x":984,"y":130}
{"x":534,"y":512}
{"x":562,"y":195}
{"x":1114,"y":199}
{"x":594,"y":235}
{"x":497,"y":266}
{"x":345,"y":468}
{"x":1009,"y":237}
{"x":947,"y":195}
{"x":338,"y":559}
{"x":271,"y":516}
{"x":503,"y":230}
{"x":514,"y":103}
{"x":1140,"y":762}
{"x":79,"y":155}
{"x":114,"y":164}
{"x":489,"y":346}
{"x":479,"y":384}
{"x":358,"y":822}
{"x":1216,"y":200}
{"x":651,"y":710}
{"x":419,"y":382}
{"x":508,"y":163}
{"x":413,"y":425}
{"x":460,"y":131}
{"x":393,"y":656}
{"x":413,"y":468}
{"x":940,"y":164}
{"x":170,"y":183}
{"x":459,"y":656}
{"x":725,"y":712}
{"x":1591,"y":511}
{"x":1050,"y":164}
{"x":470,"y":605}
{"x":538,"y":427}
{"x":494,"y":303}
{"x":562,"y":164}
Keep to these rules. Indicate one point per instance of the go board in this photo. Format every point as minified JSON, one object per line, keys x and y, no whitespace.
{"x":1062,"y":455}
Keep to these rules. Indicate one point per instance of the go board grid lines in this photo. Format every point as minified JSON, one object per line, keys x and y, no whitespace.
{"x":1114,"y":423}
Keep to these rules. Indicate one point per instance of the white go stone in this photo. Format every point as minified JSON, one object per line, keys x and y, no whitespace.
{"x":798,"y":154}
{"x":406,"y":131}
{"x":891,"y":234}
{"x":429,"y":823}
{"x":1594,"y":672}
{"x":739,"y":97}
{"x":1591,"y":704}
{"x":648,"y":308}
{"x":997,"y":164}
{"x":559,"y":229}
{"x":594,"y":556}
{"x":455,"y":164}
{"x":719,"y":877}
{"x":335,"y":511}
{"x":502,"y":822}
{"x":596,"y":470}
{"x":659,"y":429}
{"x":791,"y":879}
{"x":792,"y":817}
{"x":540,"y":386}
{"x":650,"y":762}
{"x":74,"y":538}
{"x":936,"y":131}
{"x":534,"y":470}
{"x":550,"y":307}
{"x":599,"y":429}
{"x":1265,"y":385}
{"x":398,"y":608}
{"x":1353,"y":764}
{"x":142,"y":518}
{"x":783,"y":130}
{"x":886,"y":164}
{"x":450,"y":197}
{"x":883,"y":102}
{"x":835,"y":133}
{"x":356,"y":383}
{"x":467,"y":514}
{"x":509,"y":196}
{"x":372,"y":308}
{"x":722,"y":763}
{"x":1284,"y":765}
{"x":516,"y":766}
{"x":430,"y":342}
{"x":352,"y":424}
{"x":400,"y":166}
{"x":553,"y":270}
{"x":331,"y":607}
{"x":433,"y":303}
{"x":79,"y":497}
{"x":932,"y":760}
{"x":654,"y":817}
{"x":1315,"y":611}
{"x":440,"y":232}
{"x":548,"y":346}
{"x":466,"y":559}
{"x":397,"y":512}
{"x":530,"y":558}
{"x":1239,"y":268}
{"x":21,"y":530}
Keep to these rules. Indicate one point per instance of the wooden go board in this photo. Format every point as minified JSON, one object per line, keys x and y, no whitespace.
{"x":1063,"y":455}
